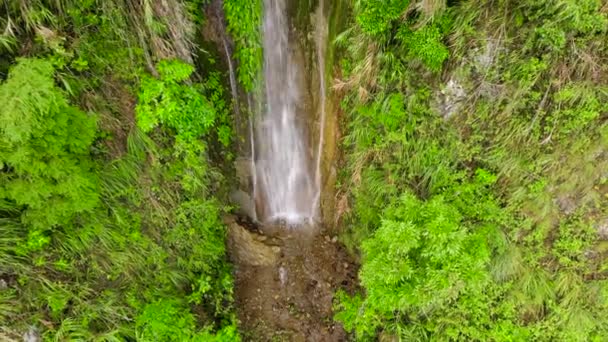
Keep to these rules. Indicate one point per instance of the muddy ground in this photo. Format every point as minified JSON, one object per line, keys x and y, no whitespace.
{"x":286,"y":278}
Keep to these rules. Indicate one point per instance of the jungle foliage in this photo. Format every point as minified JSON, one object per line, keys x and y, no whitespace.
{"x":475,"y":170}
{"x":111,"y":201}
{"x":474,"y":151}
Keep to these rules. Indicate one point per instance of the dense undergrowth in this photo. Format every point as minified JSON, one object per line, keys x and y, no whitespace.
{"x":110,"y":194}
{"x":475,"y":158}
{"x":476,"y":150}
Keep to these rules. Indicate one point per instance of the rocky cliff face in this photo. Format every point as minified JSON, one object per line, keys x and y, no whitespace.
{"x":313,"y":25}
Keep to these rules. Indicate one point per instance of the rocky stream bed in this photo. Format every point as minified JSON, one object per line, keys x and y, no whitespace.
{"x":286,"y":279}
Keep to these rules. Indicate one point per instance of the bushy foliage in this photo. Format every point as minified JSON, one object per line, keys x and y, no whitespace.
{"x":108,"y":244}
{"x":519,"y":95}
{"x":421,"y":33}
{"x":388,"y":154}
{"x":169,"y":101}
{"x":165,"y":320}
{"x":45,"y":148}
{"x":376,"y":17}
{"x":425,"y":44}
{"x":132,"y":260}
{"x":425,"y":258}
{"x":170,"y":320}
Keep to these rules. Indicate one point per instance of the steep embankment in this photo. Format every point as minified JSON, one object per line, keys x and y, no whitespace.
{"x":476,"y":147}
{"x":287,"y":275}
{"x":111,"y":142}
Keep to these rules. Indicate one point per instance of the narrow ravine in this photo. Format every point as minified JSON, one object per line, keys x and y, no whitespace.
{"x":287,"y":266}
{"x":285,"y":180}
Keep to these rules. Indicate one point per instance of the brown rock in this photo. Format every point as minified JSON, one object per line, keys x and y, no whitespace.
{"x":247,"y":249}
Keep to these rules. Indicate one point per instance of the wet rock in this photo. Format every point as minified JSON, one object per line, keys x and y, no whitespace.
{"x":243,"y":172}
{"x":485,"y":59}
{"x":602,"y":229}
{"x":451,"y":98}
{"x":31,"y":335}
{"x":566,"y":204}
{"x":590,"y":254}
{"x":244,"y":202}
{"x":247,"y":249}
{"x":282,"y":275}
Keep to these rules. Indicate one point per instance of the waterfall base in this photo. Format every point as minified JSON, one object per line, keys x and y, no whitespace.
{"x":291,"y":298}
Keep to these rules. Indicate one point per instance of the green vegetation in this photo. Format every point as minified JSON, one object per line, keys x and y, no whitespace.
{"x":475,"y":145}
{"x":475,"y":149}
{"x":111,"y":206}
{"x":45,"y":152}
{"x":244,"y":20}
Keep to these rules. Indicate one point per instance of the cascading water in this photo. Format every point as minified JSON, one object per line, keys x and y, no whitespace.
{"x":285,"y":185}
{"x":233,"y":89}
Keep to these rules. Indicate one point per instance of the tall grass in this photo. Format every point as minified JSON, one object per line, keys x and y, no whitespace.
{"x":532,"y":113}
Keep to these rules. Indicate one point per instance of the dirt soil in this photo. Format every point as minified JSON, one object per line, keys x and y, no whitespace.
{"x":291,"y":297}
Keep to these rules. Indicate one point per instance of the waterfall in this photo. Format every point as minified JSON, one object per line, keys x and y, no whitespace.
{"x":285,"y":183}
{"x":254,"y":177}
{"x":235,"y":95}
{"x":320,"y":40}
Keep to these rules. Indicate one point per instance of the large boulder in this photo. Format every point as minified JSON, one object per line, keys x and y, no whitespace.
{"x":248,"y":248}
{"x":244,"y":202}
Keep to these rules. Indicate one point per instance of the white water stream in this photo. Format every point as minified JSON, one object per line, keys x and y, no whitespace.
{"x":233,"y":87}
{"x":286,"y":184}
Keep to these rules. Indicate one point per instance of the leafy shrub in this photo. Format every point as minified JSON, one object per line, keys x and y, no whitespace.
{"x":426,"y":265}
{"x":580,"y":16}
{"x":425,"y":44}
{"x":171,"y":102}
{"x":551,"y":37}
{"x":165,"y":320}
{"x":534,"y":115}
{"x":577,"y":106}
{"x":376,"y":16}
{"x":101,"y":246}
{"x":45,"y":146}
{"x":170,"y":320}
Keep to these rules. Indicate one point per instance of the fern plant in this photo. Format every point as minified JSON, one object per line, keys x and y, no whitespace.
{"x":45,"y":146}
